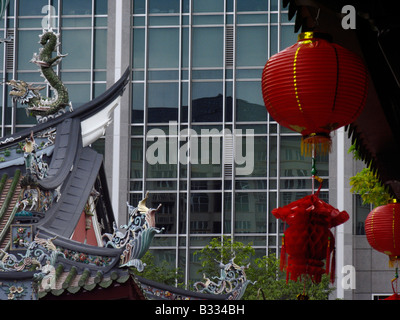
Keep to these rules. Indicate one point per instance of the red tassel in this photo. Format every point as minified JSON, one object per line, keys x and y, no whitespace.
{"x":328,"y":254}
{"x":282,"y":265}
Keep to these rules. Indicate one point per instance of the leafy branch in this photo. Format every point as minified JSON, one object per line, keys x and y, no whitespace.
{"x":367,"y":184}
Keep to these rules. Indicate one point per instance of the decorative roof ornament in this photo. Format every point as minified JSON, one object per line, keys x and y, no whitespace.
{"x":137,"y":237}
{"x":44,"y":107}
{"x":232,"y":280}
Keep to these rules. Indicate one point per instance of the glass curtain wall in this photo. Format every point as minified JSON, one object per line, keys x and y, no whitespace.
{"x":196,"y":74}
{"x":82,"y":25}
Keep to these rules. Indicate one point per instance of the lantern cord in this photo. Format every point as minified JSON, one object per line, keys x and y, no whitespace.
{"x":314,"y":171}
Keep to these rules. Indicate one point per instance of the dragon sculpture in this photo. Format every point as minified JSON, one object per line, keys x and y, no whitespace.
{"x":28,"y":94}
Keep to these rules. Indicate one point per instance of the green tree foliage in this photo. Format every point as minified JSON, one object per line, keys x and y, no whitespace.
{"x":367,"y":184}
{"x":270,"y":281}
{"x":162,"y":272}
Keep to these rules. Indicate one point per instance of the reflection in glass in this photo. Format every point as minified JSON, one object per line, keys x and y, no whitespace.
{"x":162,"y":99}
{"x":207,"y":103}
{"x":71,"y":7}
{"x":163,"y":6}
{"x":159,"y":163}
{"x":260,"y":156}
{"x":207,"y":47}
{"x":294,"y":164}
{"x":250,"y":208}
{"x":78,"y":49}
{"x":252,"y":46}
{"x":252,"y":5}
{"x":166,"y":215}
{"x":205,"y":214}
{"x":136,"y":158}
{"x":163,"y":46}
{"x":100,"y":49}
{"x":138,"y":48}
{"x":208,"y":5}
{"x":362,"y":211}
{"x":26,"y":39}
{"x":249,"y":102}
{"x":31,"y":8}
{"x":137,"y":102}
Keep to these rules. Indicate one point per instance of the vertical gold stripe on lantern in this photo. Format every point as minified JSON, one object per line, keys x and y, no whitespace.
{"x":294,"y":79}
{"x":394,"y":238}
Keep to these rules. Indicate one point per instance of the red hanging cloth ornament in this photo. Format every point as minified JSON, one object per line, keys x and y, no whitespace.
{"x":308,"y":239}
{"x":314,"y":87}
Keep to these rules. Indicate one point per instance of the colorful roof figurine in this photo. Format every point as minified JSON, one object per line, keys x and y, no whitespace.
{"x":58,"y":236}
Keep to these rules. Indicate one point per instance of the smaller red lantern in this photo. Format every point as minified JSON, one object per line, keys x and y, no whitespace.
{"x":382,"y":228}
{"x":308,"y":239}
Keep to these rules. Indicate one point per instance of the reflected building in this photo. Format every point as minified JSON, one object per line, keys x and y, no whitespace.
{"x":198,"y":64}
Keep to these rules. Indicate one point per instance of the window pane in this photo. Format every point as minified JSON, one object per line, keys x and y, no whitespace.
{"x":207,"y":101}
{"x":292,"y":163}
{"x":208,"y":5}
{"x":251,"y":208}
{"x":210,"y":55}
{"x":249,"y":102}
{"x":101,"y":6}
{"x":164,"y":6}
{"x":288,"y":37}
{"x":252,"y":46}
{"x":27,"y":39}
{"x":163,"y":48}
{"x":77,"y":48}
{"x":78,"y":94}
{"x":136,"y":159}
{"x":137,"y":102}
{"x":162,"y":102}
{"x":139,"y":6}
{"x":252,"y":5}
{"x":100,"y":50}
{"x":205,"y":213}
{"x":185,"y":47}
{"x":138,"y":48}
{"x":257,"y":159}
{"x":159,"y":164}
{"x":205,"y":165}
{"x":32,"y":8}
{"x":76,"y":7}
{"x":166,"y":215}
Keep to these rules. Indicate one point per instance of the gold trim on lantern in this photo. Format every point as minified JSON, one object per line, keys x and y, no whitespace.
{"x":309,"y":36}
{"x":393,"y":227}
{"x":294,"y":79}
{"x":318,"y":142}
{"x":305,"y":35}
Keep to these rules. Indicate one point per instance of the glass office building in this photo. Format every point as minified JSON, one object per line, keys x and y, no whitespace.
{"x":195,"y":85}
{"x":196,"y":72}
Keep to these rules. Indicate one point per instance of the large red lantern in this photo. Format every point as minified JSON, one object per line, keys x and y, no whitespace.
{"x":382,"y":228}
{"x":314,"y":87}
{"x":308,"y":240}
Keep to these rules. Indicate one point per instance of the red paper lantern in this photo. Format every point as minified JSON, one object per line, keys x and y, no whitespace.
{"x":308,"y":241}
{"x":382,"y":228}
{"x":314,"y":87}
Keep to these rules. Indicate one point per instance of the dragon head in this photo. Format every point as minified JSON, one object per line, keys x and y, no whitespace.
{"x":23,"y":92}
